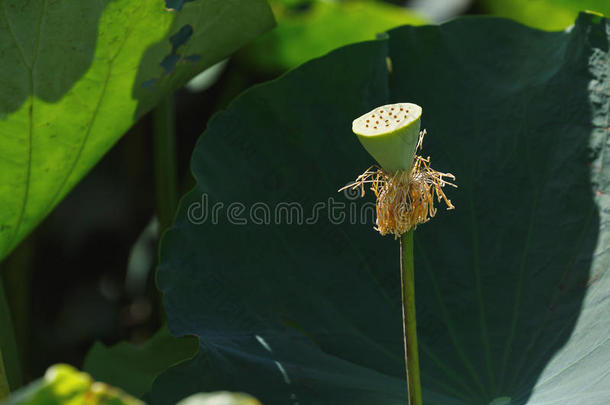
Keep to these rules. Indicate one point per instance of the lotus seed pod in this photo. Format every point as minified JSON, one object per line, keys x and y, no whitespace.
{"x":390,"y":134}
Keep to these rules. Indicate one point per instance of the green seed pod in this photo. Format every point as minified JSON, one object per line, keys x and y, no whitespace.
{"x":390,"y":134}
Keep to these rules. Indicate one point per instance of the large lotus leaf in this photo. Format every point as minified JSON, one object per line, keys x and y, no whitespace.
{"x":308,"y":29}
{"x":76,"y":75}
{"x":546,"y":14}
{"x":511,"y":288}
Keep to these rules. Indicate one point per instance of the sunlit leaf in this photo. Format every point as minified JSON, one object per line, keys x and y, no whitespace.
{"x":545,"y":14}
{"x":63,"y":384}
{"x":219,"y":398}
{"x":308,"y":29}
{"x":76,"y":75}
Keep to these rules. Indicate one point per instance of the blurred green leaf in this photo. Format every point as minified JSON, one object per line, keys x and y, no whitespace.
{"x":219,"y":398}
{"x":76,"y":75}
{"x":134,"y":368}
{"x":63,"y":384}
{"x":512,"y":286}
{"x":308,"y":29}
{"x":545,"y":14}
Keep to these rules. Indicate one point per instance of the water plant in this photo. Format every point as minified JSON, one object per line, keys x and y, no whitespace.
{"x":404,"y":186}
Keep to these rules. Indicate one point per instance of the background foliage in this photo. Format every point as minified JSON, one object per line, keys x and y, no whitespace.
{"x":545,"y":14}
{"x":63,"y":384}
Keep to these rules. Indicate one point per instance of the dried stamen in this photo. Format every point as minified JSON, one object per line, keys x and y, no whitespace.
{"x":405,"y":199}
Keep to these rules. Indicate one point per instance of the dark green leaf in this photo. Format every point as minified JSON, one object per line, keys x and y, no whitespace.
{"x":512,"y":292}
{"x":134,"y":368}
{"x":76,"y":75}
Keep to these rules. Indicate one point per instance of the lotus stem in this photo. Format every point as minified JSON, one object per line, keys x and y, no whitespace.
{"x":166,"y":177}
{"x":4,"y":387}
{"x":407,"y":286}
{"x":6,"y":326}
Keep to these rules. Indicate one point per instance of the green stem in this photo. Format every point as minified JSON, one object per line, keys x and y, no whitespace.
{"x":4,"y":388}
{"x":407,"y":284}
{"x":8,"y":347}
{"x":165,"y":162}
{"x":17,"y":271}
